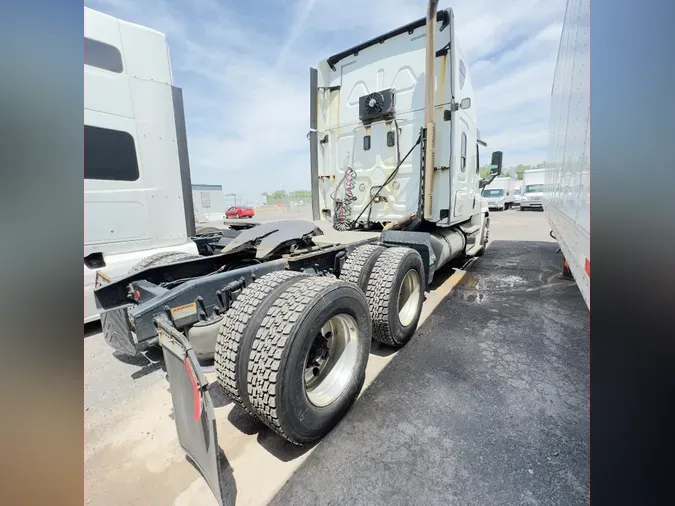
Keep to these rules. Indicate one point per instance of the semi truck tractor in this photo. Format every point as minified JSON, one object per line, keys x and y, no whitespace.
{"x":137,"y":193}
{"x":567,"y":194}
{"x":500,"y":193}
{"x":288,"y":310}
{"x":533,"y":189}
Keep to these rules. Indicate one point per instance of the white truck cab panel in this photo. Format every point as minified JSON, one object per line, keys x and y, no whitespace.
{"x":135,"y":187}
{"x":356,"y":155}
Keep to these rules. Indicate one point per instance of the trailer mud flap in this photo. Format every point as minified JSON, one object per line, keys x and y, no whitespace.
{"x":192,"y":406}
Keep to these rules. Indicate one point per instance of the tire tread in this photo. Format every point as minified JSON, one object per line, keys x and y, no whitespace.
{"x":237,"y":317}
{"x":379,"y":291}
{"x":357,"y":261}
{"x":264,"y":366}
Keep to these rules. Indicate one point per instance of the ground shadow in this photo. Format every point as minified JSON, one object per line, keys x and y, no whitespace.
{"x":92,"y":328}
{"x":244,"y":422}
{"x":218,"y":396}
{"x":382,"y":350}
{"x":148,"y":361}
{"x":272,"y":442}
{"x":281,"y":448}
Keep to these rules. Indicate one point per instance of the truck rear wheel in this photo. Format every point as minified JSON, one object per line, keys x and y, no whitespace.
{"x":395,"y":295}
{"x":163,"y":258}
{"x":359,"y":265}
{"x":239,"y":327}
{"x":309,"y":356}
{"x":201,"y":231}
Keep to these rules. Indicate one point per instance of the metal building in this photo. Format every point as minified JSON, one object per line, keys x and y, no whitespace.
{"x":209,"y":202}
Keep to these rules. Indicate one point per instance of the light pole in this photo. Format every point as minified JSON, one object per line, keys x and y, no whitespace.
{"x":232,"y":195}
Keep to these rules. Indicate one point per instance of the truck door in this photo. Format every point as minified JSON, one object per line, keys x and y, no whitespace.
{"x":462,"y":173}
{"x":464,"y":159}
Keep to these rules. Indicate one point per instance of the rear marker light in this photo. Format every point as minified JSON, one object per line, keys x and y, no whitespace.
{"x":197,"y":400}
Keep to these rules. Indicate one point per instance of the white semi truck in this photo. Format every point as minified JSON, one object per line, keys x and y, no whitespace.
{"x":138,"y":204}
{"x":500,"y":193}
{"x":533,"y":189}
{"x":567,"y":195}
{"x":290,"y":312}
{"x":137,"y":192}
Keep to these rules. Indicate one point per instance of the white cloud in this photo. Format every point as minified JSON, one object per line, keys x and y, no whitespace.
{"x":245,"y":77}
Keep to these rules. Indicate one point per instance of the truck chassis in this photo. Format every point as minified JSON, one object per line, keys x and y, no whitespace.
{"x":289,"y":323}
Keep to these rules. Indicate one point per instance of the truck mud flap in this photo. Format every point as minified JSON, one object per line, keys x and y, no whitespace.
{"x":192,"y":406}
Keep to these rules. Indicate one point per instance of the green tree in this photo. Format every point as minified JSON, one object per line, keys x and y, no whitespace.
{"x":520,"y":168}
{"x":300,"y":194}
{"x":484,"y":171}
{"x":279,"y":195}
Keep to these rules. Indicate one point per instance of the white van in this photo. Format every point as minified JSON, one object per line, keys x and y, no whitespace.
{"x":137,"y":191}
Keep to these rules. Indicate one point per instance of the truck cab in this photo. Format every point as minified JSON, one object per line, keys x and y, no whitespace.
{"x":367,"y":112}
{"x":533,"y":189}
{"x":499,"y":194}
{"x":137,"y":191}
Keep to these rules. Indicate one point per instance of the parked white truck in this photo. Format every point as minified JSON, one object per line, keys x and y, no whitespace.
{"x":533,"y":189}
{"x":499,"y":194}
{"x":567,"y":195}
{"x":290,"y":312}
{"x":518,"y":193}
{"x":137,"y":192}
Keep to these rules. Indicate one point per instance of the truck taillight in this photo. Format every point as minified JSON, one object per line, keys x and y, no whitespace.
{"x":197,"y":399}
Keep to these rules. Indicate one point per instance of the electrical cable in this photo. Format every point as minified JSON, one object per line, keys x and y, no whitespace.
{"x":388,"y":180}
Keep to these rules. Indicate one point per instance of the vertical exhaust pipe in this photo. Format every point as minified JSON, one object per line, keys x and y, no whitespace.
{"x":430,"y":68}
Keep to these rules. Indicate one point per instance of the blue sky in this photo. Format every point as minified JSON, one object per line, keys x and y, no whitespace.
{"x":243,"y":68}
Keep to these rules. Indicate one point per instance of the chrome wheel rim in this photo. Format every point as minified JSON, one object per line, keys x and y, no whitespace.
{"x":331,"y":360}
{"x":408,"y":297}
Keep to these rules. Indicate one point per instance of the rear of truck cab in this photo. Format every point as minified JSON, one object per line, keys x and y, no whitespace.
{"x":368,"y":107}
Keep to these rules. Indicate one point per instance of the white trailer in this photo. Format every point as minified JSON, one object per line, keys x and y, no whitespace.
{"x":137,"y":195}
{"x":533,"y":189}
{"x":499,"y":194}
{"x":567,"y":195}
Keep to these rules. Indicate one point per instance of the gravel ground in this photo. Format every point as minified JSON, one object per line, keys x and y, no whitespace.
{"x":132,"y":454}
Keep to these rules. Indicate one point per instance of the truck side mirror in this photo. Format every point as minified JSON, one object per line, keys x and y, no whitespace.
{"x":496,"y":165}
{"x":465,"y":103}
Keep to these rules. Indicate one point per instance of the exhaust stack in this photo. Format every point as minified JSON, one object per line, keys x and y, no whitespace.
{"x":429,"y":107}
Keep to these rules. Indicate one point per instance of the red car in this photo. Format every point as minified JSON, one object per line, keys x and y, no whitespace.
{"x":240,"y":212}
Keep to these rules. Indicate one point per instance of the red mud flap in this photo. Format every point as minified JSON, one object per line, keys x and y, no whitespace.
{"x":192,"y":406}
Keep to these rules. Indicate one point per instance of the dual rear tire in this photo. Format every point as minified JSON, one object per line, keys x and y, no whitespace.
{"x":293,"y":348}
{"x":393,"y":282}
{"x":293,"y":351}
